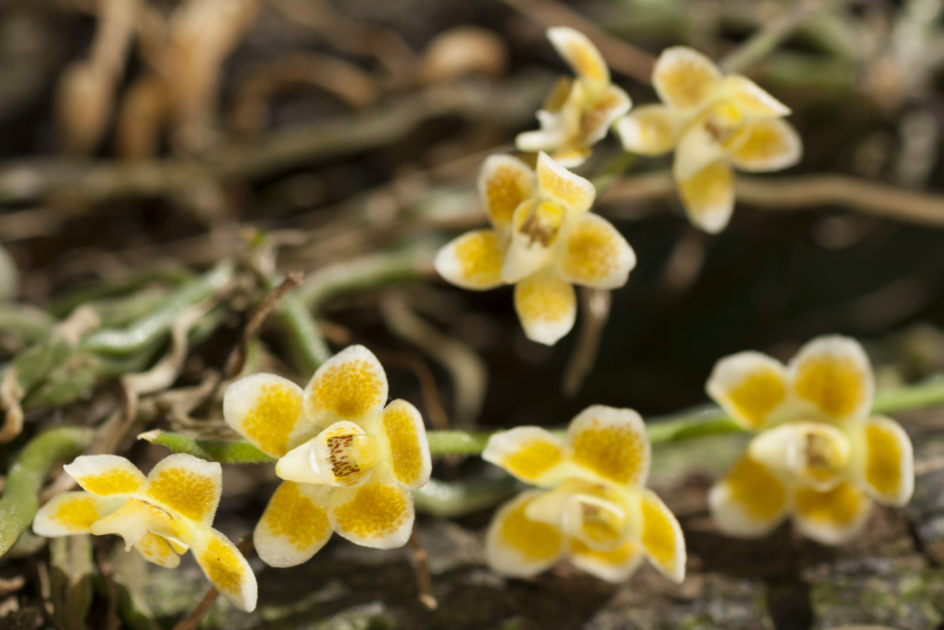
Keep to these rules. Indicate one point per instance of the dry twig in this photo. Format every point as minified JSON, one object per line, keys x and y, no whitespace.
{"x":621,"y":56}
{"x":798,"y":193}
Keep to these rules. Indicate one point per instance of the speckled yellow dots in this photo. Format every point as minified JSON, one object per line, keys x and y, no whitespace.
{"x":593,"y":510}
{"x":348,"y":461}
{"x":543,"y":240}
{"x":161,"y":515}
{"x":818,"y":454}
{"x":714,"y":123}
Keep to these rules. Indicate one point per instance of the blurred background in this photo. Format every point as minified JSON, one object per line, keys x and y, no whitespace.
{"x":144,"y":141}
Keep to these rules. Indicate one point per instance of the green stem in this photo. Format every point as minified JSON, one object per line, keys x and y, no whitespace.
{"x":692,"y":423}
{"x":311,"y":348}
{"x":612,"y":171}
{"x":362,"y":274}
{"x":148,"y":328}
{"x":232,"y":452}
{"x":21,"y":495}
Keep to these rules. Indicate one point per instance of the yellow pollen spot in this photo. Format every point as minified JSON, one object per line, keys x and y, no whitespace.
{"x":834,"y":384}
{"x":757,"y":395}
{"x":533,"y":459}
{"x":374,"y":511}
{"x":615,"y":453}
{"x":77,"y":514}
{"x":883,"y":468}
{"x":184,"y":491}
{"x":405,"y":446}
{"x":710,"y":188}
{"x":533,"y":539}
{"x":112,"y":482}
{"x":294,"y":517}
{"x":351,"y":389}
{"x":223,"y":567}
{"x":618,"y":556}
{"x":541,"y":299}
{"x":273,"y":418}
{"x":481,"y":257}
{"x":756,"y":489}
{"x":505,"y":189}
{"x":658,"y":532}
{"x":591,"y":252}
{"x":838,"y":506}
{"x":687,"y":84}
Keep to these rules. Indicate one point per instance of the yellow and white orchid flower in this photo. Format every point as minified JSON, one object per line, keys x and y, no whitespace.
{"x":714,"y":122}
{"x":161,"y":515}
{"x":594,"y":509}
{"x":579,"y":111}
{"x":543,"y":240}
{"x":819,"y":455}
{"x":348,"y":461}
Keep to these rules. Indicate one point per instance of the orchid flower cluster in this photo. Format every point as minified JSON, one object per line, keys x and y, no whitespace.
{"x":544,"y":240}
{"x":348,"y":459}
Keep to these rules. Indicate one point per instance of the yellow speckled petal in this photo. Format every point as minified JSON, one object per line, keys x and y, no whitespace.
{"x":531,"y":454}
{"x":751,"y":386}
{"x":560,"y":129}
{"x":294,"y":526}
{"x":378,"y":514}
{"x":226,"y":568}
{"x":750,"y":501}
{"x":684,"y":78}
{"x":887,"y":461}
{"x":661,"y":537}
{"x":752,"y":99}
{"x":505,"y":182}
{"x":546,"y":306}
{"x":613,"y":566}
{"x":349,"y":386}
{"x":157,"y":551}
{"x":612,"y":103}
{"x":708,"y":197}
{"x":557,"y":183}
{"x":571,"y":157}
{"x":766,"y":145}
{"x":186,"y":485}
{"x":267,"y":410}
{"x":595,"y":254}
{"x":516,"y":545}
{"x":536,"y":231}
{"x":73,"y":513}
{"x":648,"y":130}
{"x":106,"y":475}
{"x":402,"y":438}
{"x":473,"y":260}
{"x":832,"y":378}
{"x":832,"y":517}
{"x":611,"y":444}
{"x":813,"y":454}
{"x":580,"y":54}
{"x":135,"y":519}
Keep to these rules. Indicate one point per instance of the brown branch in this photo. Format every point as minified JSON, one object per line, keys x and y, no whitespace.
{"x":236,"y":360}
{"x":508,"y":103}
{"x":804,"y":192}
{"x":193,"y":620}
{"x":620,"y":56}
{"x":424,"y":585}
{"x":594,"y":312}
